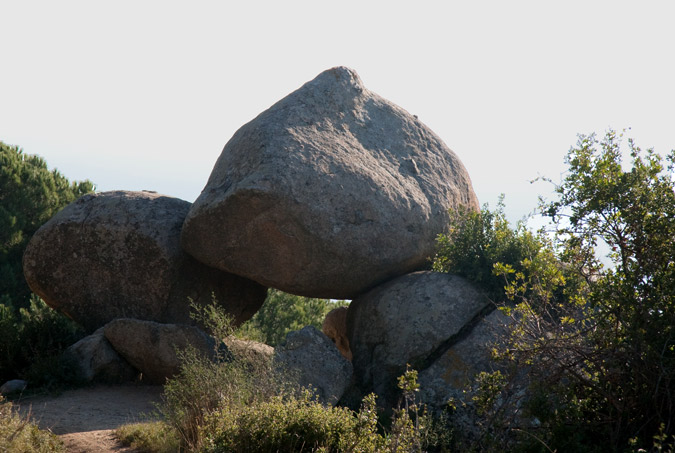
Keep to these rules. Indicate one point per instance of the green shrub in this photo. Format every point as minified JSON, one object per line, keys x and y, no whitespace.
{"x":282,"y":313}
{"x":149,"y":437}
{"x":477,"y":241}
{"x":595,"y":336}
{"x":31,"y":341}
{"x":293,"y":423}
{"x":243,"y":403}
{"x":19,"y":435}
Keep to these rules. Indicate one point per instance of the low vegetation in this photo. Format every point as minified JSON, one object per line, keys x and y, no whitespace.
{"x":17,"y":434}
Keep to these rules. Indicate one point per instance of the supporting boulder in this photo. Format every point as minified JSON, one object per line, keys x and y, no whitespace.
{"x":411,"y":320}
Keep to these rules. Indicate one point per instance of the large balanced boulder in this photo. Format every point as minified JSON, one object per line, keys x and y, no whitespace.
{"x":154,"y":349}
{"x":117,"y":254}
{"x":329,"y":192}
{"x":411,"y":320}
{"x":311,"y":359}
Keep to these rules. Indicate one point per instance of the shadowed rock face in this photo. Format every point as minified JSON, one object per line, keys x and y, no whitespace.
{"x":329,"y":192}
{"x":117,"y":254}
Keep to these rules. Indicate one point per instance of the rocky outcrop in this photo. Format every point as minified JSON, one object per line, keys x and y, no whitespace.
{"x":335,"y":327}
{"x":310,"y":358}
{"x":329,"y":192}
{"x":117,"y":254}
{"x":153,"y":348}
{"x":412,"y":320}
{"x":93,"y":359}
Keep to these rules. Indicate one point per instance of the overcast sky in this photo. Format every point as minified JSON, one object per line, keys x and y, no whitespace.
{"x":144,"y":94}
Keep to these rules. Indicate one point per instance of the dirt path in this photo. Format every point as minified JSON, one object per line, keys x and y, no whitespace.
{"x":86,"y":418}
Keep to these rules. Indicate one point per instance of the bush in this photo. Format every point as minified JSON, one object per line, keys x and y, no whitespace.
{"x":243,"y":403}
{"x":31,"y":342}
{"x":597,"y":342}
{"x":292,"y":423}
{"x":149,"y":437}
{"x":19,"y":435}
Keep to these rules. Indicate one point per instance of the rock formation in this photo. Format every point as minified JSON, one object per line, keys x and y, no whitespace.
{"x":117,"y":254}
{"x":329,"y":192}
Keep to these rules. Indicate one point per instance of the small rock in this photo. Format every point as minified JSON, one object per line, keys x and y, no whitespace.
{"x":407,"y":321}
{"x":13,"y":386}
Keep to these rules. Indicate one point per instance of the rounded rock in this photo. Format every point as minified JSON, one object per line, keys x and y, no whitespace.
{"x":117,"y":255}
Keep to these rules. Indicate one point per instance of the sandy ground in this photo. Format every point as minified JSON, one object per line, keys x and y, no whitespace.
{"x":86,"y":418}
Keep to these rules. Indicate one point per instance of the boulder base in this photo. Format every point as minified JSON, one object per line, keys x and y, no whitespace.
{"x":409,"y":320}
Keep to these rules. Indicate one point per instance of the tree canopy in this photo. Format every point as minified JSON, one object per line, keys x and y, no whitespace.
{"x":30,"y":194}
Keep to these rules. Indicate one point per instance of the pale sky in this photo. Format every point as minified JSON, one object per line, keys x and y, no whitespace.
{"x":144,"y":94}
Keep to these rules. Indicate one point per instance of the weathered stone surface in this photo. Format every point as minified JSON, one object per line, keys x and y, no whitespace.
{"x":117,"y":254}
{"x":453,"y":372}
{"x":311,"y":357}
{"x":151,"y":347}
{"x":13,"y":386}
{"x":335,"y":328}
{"x":408,"y":320}
{"x":94,"y":360}
{"x":329,"y":192}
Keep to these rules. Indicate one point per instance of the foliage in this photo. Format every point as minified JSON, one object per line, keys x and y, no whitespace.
{"x":597,"y":342}
{"x":149,"y":437}
{"x":476,"y":241}
{"x":300,"y":423}
{"x":31,"y":340}
{"x":282,"y":313}
{"x":623,"y":360}
{"x":244,"y":403}
{"x":30,"y":194}
{"x":31,"y":334}
{"x":17,"y":434}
